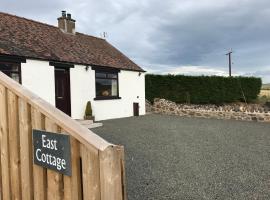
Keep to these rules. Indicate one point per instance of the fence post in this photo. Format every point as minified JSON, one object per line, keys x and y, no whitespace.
{"x":110,"y":174}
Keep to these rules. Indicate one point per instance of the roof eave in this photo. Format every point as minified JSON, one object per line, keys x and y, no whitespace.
{"x":66,"y":62}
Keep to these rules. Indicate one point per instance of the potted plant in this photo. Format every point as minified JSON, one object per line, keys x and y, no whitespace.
{"x":88,"y":112}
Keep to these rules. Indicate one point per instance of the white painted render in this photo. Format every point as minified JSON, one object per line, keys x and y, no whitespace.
{"x":131,"y":89}
{"x":38,"y":76}
{"x":82,"y":89}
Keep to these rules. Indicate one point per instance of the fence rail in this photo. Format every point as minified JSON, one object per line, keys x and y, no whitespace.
{"x":98,"y":170}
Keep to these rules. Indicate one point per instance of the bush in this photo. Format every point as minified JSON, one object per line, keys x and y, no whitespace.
{"x":202,"y":89}
{"x":88,"y":109}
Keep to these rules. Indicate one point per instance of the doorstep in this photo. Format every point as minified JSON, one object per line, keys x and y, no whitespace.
{"x":89,"y":123}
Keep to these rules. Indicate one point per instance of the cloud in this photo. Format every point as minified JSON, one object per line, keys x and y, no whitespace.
{"x":163,"y":35}
{"x":197,"y":71}
{"x":264,"y":74}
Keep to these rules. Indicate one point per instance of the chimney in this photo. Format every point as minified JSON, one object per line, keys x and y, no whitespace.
{"x":66,"y":23}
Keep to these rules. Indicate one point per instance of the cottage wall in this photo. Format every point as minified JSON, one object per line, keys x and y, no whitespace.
{"x":131,"y":89}
{"x":38,"y":76}
{"x":82,"y":88}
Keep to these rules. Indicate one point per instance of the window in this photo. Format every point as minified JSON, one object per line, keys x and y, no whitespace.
{"x":13,"y":70}
{"x":106,"y":85}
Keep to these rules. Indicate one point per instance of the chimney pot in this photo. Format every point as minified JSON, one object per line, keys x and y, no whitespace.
{"x":69,"y":16}
{"x":64,"y":13}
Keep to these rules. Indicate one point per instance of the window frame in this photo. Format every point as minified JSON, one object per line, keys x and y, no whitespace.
{"x":12,"y":59}
{"x":9,"y":72}
{"x":106,"y":71}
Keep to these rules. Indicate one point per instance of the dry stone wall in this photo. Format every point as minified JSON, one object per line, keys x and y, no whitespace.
{"x":249,"y":112}
{"x":148,"y":106}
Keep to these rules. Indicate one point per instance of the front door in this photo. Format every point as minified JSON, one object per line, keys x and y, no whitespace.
{"x":62,"y":90}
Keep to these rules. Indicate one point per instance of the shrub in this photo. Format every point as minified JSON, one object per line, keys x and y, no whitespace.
{"x":202,"y":89}
{"x":88,"y":109}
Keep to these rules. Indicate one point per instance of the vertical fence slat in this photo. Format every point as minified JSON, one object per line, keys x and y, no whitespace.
{"x":26,"y":150}
{"x":121,"y":153}
{"x":39,"y":173}
{"x":13,"y":126}
{"x":54,"y":178}
{"x":2,"y":91}
{"x":110,"y":174}
{"x":4,"y":144}
{"x":90,"y":173}
{"x":1,"y":192}
{"x":72,"y":185}
{"x":67,"y":187}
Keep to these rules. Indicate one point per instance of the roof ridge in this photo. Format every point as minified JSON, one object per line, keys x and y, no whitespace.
{"x":43,"y":23}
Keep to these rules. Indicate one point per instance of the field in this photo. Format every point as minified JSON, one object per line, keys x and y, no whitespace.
{"x":265,"y":91}
{"x":264,"y":94}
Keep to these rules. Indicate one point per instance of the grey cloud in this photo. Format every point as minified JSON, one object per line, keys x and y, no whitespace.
{"x":211,"y":32}
{"x":161,"y":35}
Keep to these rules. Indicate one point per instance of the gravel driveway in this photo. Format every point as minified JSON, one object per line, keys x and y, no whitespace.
{"x":170,"y":157}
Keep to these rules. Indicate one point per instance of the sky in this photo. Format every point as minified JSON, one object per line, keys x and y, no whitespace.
{"x":173,"y":36}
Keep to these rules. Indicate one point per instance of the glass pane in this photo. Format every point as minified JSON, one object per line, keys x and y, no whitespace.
{"x":59,"y":87}
{"x":9,"y":67}
{"x":100,"y":75}
{"x":15,"y":77}
{"x":106,"y":87}
{"x":114,"y":87}
{"x":15,"y":68}
{"x":103,"y":87}
{"x":112,"y":75}
{"x":4,"y":67}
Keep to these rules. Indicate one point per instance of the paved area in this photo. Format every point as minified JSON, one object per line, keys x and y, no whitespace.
{"x":89,"y":123}
{"x":170,"y":157}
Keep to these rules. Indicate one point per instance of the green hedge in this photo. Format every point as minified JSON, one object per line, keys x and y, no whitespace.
{"x":202,"y":89}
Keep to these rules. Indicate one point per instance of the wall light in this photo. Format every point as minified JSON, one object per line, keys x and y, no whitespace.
{"x":86,"y":68}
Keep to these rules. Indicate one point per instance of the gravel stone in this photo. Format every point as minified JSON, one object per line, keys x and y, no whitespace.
{"x":172,"y":157}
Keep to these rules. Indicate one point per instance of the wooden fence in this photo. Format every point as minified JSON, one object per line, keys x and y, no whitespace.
{"x":97,"y":166}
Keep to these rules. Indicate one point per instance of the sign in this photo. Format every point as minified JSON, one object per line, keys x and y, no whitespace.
{"x":52,"y":151}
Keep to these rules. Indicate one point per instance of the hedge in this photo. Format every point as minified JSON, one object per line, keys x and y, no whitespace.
{"x":202,"y":89}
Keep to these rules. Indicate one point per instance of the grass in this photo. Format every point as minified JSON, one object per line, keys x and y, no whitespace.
{"x":265,"y":92}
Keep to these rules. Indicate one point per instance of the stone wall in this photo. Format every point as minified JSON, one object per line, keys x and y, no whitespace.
{"x":148,"y":106}
{"x":240,"y":111}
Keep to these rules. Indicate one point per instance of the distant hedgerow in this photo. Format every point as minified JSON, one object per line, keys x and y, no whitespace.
{"x":202,"y":89}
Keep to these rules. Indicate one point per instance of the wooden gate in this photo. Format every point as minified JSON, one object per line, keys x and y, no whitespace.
{"x":97,"y":166}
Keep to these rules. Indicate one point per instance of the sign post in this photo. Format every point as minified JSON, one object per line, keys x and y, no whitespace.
{"x":52,"y":151}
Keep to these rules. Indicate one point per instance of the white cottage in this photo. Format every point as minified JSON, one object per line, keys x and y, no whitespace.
{"x":68,"y":69}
